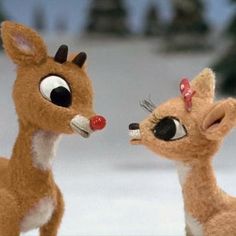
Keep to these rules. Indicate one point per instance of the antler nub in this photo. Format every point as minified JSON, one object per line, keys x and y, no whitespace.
{"x":61,"y":54}
{"x":80,"y":59}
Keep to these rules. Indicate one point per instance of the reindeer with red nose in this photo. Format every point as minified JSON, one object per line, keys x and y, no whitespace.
{"x":52,"y":96}
{"x":189,"y":130}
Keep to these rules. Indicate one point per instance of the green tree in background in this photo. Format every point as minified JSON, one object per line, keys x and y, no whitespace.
{"x":188,"y":18}
{"x":61,"y":24}
{"x":231,"y":30}
{"x":2,"y":18}
{"x":188,"y":28}
{"x":152,"y":23}
{"x":39,"y":17}
{"x":107,"y":17}
{"x":226,"y":65}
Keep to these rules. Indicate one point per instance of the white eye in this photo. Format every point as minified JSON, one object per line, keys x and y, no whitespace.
{"x":180,"y":130}
{"x":169,"y":129}
{"x":56,"y":90}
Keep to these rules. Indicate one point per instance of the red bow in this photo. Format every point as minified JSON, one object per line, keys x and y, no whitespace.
{"x":187,"y":93}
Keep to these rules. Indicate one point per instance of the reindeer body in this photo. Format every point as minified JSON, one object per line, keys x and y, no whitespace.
{"x":204,"y":200}
{"x":52,"y":96}
{"x":28,"y":181}
{"x":24,"y":173}
{"x":190,"y":136}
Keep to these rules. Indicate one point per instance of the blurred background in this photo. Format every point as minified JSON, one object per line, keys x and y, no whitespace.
{"x":136,"y":49}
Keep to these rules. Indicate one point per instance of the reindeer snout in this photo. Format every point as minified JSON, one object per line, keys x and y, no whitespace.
{"x":85,"y":126}
{"x":134,"y":132}
{"x":97,"y":123}
{"x":133,"y":126}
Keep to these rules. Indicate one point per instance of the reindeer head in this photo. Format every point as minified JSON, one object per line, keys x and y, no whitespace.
{"x":50,"y":93}
{"x":176,"y":132}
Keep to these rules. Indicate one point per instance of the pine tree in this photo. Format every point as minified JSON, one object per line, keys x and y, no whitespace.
{"x":152,"y":24}
{"x":2,"y":18}
{"x":231,"y":30}
{"x":188,"y":17}
{"x":226,"y":65}
{"x":60,"y":24}
{"x":188,"y":26}
{"x":39,"y":18}
{"x":107,"y":17}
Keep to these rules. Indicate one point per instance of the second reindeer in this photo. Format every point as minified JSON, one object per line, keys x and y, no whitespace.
{"x":189,"y":130}
{"x":52,"y":96}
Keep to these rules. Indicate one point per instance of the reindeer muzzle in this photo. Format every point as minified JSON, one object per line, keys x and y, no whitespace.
{"x":134,"y":132}
{"x":85,"y":126}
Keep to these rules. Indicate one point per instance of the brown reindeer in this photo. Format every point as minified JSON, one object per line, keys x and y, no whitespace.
{"x":52,"y":96}
{"x":189,"y":131}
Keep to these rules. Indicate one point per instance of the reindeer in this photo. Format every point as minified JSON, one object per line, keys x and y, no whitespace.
{"x":189,"y":130}
{"x":52,"y":96}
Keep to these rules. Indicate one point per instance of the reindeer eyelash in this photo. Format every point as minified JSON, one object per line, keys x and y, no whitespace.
{"x":147,"y":105}
{"x":154,"y":118}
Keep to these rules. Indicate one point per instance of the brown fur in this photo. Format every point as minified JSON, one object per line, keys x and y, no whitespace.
{"x":212,"y":210}
{"x":22,"y":184}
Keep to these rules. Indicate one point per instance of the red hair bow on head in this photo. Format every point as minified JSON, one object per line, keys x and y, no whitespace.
{"x":187,"y":93}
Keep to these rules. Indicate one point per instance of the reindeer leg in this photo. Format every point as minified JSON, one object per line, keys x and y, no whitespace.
{"x":9,"y":222}
{"x":51,"y":228}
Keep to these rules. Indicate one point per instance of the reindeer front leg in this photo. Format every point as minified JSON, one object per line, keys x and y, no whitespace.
{"x":9,"y":221}
{"x":51,"y":228}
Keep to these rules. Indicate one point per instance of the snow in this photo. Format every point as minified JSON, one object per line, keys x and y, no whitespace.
{"x":110,"y":187}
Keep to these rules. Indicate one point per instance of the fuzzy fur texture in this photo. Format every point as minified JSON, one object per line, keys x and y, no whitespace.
{"x":44,"y":149}
{"x":183,"y":170}
{"x":29,"y":196}
{"x":39,"y":215}
{"x":208,"y":210}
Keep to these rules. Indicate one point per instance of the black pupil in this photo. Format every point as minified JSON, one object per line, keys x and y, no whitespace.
{"x":165,"y":129}
{"x":61,"y":96}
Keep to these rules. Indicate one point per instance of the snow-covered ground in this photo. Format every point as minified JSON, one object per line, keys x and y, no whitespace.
{"x":110,"y":187}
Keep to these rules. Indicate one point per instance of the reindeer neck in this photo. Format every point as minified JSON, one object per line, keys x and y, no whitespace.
{"x":32,"y":156}
{"x":202,"y":196}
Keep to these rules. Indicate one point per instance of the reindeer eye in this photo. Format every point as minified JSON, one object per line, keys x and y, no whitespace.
{"x":56,"y":90}
{"x":169,"y":129}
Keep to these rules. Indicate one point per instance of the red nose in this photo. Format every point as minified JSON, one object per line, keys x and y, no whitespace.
{"x":97,"y":123}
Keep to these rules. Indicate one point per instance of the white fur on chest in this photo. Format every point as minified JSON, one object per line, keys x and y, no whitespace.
{"x":183,"y":171}
{"x":39,"y":215}
{"x":194,"y":225}
{"x":44,"y":148}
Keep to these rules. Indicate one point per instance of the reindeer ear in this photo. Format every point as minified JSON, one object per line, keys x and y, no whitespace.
{"x":23,"y":45}
{"x":220,"y":119}
{"x":204,"y":85}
